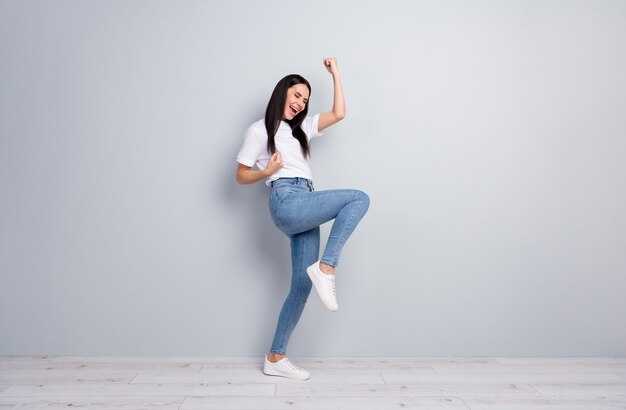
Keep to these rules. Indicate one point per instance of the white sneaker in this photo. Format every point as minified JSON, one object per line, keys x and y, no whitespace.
{"x":324,"y":285}
{"x":285,"y":368}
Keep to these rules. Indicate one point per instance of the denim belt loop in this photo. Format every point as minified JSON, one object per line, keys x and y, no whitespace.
{"x":309,"y":183}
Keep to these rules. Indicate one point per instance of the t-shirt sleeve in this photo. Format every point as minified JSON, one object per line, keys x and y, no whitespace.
{"x":250,"y":150}
{"x":310,"y":126}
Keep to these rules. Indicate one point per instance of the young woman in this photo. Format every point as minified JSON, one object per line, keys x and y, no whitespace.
{"x":279,"y":148}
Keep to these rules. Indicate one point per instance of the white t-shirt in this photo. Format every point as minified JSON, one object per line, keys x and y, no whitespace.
{"x":254,"y":149}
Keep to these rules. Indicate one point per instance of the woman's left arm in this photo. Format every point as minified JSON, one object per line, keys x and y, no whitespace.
{"x":339,"y":104}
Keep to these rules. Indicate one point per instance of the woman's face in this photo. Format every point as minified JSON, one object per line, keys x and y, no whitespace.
{"x":297,"y":97}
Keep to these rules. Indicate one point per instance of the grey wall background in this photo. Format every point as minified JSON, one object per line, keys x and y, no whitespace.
{"x":489,"y":135}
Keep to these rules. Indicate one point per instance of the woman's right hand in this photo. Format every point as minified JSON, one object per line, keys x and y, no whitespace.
{"x":276,"y":163}
{"x":331,"y":65}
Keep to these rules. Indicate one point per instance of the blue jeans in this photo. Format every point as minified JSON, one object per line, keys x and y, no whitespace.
{"x":298,"y":211}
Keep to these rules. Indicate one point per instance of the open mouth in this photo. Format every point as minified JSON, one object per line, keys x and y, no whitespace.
{"x":293,"y":110}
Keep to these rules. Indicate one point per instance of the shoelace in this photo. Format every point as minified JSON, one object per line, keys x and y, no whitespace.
{"x":331,"y":285}
{"x":293,"y":366}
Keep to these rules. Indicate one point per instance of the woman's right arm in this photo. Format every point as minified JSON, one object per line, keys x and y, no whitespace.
{"x":246,"y":175}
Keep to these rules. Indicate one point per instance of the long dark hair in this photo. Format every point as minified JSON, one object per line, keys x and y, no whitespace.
{"x":276,"y":108}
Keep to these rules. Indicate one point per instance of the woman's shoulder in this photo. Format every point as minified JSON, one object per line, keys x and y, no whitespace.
{"x":257,"y":128}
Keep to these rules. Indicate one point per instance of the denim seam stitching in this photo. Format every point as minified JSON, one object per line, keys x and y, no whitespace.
{"x":292,"y":311}
{"x":346,"y":227}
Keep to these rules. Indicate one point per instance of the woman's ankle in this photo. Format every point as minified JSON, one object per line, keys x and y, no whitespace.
{"x":327,"y":269}
{"x":274,"y":357}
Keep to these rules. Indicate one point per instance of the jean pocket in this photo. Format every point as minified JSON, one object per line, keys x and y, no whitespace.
{"x":284,"y":192}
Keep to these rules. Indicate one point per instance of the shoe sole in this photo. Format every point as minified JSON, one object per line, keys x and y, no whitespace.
{"x":286,"y":375}
{"x":316,"y":284}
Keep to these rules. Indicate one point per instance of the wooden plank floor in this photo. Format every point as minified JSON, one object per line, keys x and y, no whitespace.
{"x":132,"y":382}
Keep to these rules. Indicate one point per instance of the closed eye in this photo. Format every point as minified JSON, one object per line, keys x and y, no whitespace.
{"x":298,"y":96}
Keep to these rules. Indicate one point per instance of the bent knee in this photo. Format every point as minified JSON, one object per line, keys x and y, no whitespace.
{"x":364,"y":198}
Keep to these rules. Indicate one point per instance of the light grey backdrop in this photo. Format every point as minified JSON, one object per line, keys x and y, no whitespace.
{"x":489,"y":135}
